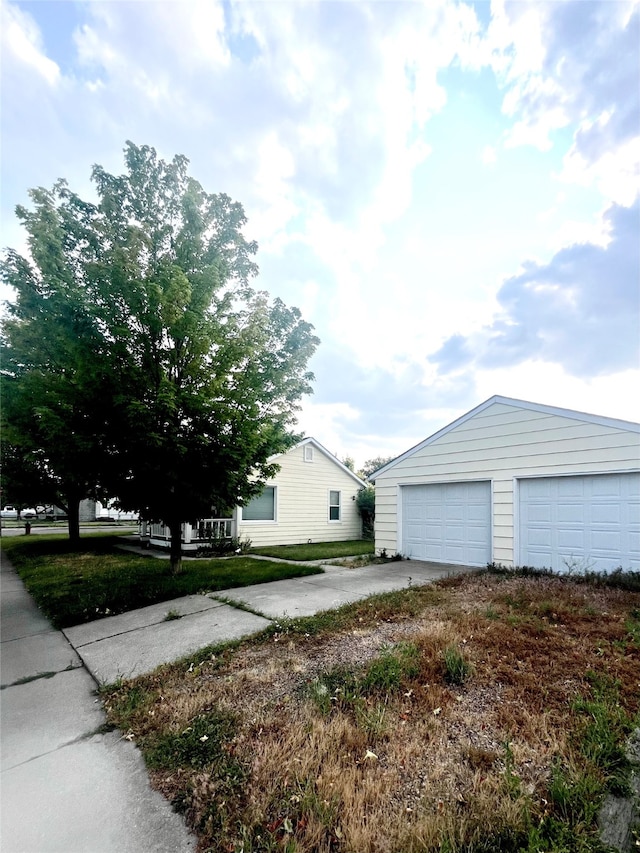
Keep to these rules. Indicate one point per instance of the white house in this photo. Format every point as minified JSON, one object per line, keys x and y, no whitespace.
{"x":516,"y":483}
{"x":312,"y":498}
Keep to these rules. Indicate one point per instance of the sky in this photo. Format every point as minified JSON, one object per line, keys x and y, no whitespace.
{"x":449,"y":191}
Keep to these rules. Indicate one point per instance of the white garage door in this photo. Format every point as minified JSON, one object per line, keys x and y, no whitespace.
{"x":590,"y":522}
{"x":447,"y":523}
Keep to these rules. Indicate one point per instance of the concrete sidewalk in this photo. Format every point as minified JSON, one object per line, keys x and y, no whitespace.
{"x":66,"y":787}
{"x":133,"y":643}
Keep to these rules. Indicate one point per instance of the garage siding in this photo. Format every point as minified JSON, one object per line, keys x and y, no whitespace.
{"x":500,"y":443}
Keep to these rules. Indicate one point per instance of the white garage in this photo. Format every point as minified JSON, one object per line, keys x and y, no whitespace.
{"x":448,"y":523}
{"x":516,"y":483}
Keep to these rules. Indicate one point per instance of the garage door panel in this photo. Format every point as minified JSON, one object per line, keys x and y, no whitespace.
{"x":570,"y":512}
{"x":454,"y":512}
{"x":606,"y":513}
{"x":570,"y":487}
{"x":604,"y":486}
{"x":477,"y":556}
{"x":432,"y":552}
{"x":457,"y":522}
{"x":454,"y":533}
{"x":539,"y":488}
{"x":454,"y":553}
{"x":539,"y":512}
{"x":571,"y":541}
{"x":539,"y":538}
{"x":478,"y":513}
{"x":476,"y":535}
{"x":608,"y":541}
{"x":414,"y":516}
{"x":589,"y":521}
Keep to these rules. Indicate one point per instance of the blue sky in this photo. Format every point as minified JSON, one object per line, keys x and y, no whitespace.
{"x":447,"y":190}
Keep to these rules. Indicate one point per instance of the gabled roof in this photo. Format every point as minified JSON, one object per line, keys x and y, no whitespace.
{"x":614,"y":423}
{"x":329,"y":456}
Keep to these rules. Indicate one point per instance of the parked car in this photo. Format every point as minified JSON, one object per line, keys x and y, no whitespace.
{"x":10,"y":511}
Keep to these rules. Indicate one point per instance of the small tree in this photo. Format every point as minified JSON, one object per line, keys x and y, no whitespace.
{"x":366,"y":503}
{"x":155,"y":370}
{"x":350,"y":463}
{"x":372,"y":465}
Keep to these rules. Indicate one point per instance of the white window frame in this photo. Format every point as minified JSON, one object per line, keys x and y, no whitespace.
{"x":307,"y":453}
{"x":331,"y":505}
{"x":273,"y":520}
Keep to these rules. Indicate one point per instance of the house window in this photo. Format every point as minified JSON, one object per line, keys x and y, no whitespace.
{"x":308,"y":453}
{"x":262,"y":507}
{"x":334,"y":506}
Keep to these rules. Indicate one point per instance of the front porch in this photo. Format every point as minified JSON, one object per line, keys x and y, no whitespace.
{"x":194,"y":535}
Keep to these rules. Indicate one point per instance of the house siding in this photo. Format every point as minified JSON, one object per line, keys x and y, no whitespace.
{"x":503,"y":443}
{"x":302,"y":503}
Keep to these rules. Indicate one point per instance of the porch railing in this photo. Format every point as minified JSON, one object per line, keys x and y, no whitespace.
{"x":204,"y":530}
{"x":213,"y":528}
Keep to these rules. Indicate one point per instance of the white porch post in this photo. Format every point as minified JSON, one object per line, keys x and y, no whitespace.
{"x":186,"y":533}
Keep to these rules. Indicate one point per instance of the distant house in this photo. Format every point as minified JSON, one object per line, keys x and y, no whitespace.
{"x":516,"y":483}
{"x":311,"y":498}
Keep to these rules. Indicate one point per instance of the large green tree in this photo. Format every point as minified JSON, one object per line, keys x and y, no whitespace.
{"x":143,"y":351}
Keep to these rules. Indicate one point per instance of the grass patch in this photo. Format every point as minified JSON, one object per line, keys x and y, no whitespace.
{"x":172,"y":615}
{"x":343,"y":688}
{"x":456,"y":667}
{"x":201,"y":744}
{"x":317,"y":550}
{"x":345,"y":731}
{"x":96,"y":579}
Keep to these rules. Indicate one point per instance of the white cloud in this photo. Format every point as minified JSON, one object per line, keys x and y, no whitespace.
{"x":21,"y":39}
{"x":616,"y":173}
{"x":574,"y":65}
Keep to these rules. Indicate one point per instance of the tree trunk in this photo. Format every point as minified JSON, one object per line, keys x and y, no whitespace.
{"x":175,"y":551}
{"x":73,"y":514}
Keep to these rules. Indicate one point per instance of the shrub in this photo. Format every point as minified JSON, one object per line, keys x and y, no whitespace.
{"x":224,"y":547}
{"x":366,"y":503}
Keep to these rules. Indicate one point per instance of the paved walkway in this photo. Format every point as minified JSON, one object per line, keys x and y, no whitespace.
{"x":133,"y":643}
{"x":65,"y":785}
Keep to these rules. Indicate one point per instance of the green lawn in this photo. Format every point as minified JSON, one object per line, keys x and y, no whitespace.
{"x":78,"y":585}
{"x":318,"y":550}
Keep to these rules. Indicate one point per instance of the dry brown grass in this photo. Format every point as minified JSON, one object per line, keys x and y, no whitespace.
{"x":415,"y":769}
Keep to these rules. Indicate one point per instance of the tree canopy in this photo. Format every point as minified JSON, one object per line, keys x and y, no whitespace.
{"x":137,"y":357}
{"x":372,"y":465}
